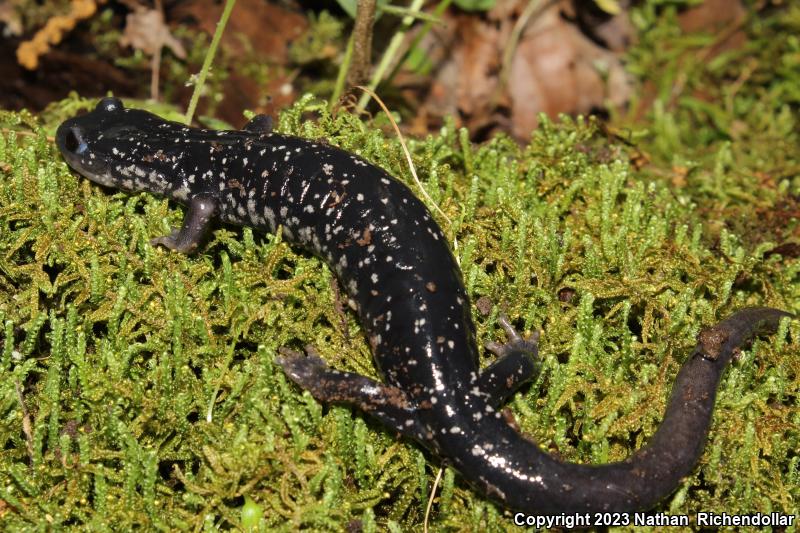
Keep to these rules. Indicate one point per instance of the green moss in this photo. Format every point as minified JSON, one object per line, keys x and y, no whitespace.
{"x":148,"y":378}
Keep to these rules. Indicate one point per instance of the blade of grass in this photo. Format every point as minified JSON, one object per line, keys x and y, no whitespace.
{"x":389,"y":54}
{"x":212,"y":50}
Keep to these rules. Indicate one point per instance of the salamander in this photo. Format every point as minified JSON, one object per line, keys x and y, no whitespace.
{"x":397,"y":268}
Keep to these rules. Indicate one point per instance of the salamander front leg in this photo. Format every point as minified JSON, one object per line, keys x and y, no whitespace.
{"x":388,"y":404}
{"x":518,"y":363}
{"x":196,"y":222}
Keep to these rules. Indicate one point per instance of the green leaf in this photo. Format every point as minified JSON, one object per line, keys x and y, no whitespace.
{"x":251,"y":514}
{"x":475,"y":5}
{"x":609,"y":6}
{"x":350,"y":6}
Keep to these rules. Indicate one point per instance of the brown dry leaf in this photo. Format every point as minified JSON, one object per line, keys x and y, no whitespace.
{"x":612,"y":28}
{"x":268,"y":28}
{"x":146,"y":30}
{"x":722,"y":18}
{"x":465,"y":51}
{"x":557,"y":69}
{"x":679,"y":174}
{"x":12,"y":20}
{"x":256,"y":29}
{"x":711,"y":15}
{"x":554,"y":69}
{"x":478,"y":65}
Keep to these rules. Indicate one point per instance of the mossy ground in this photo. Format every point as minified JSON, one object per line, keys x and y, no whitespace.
{"x":146,"y":380}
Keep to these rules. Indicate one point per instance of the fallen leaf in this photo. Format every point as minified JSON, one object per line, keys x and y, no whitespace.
{"x":266,"y":27}
{"x":557,"y":69}
{"x":554,"y":68}
{"x":146,"y":30}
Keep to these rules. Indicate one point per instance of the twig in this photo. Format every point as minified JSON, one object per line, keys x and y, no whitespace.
{"x":430,"y":499}
{"x":362,"y":43}
{"x":407,"y":153}
{"x":155,"y":63}
{"x":26,"y":419}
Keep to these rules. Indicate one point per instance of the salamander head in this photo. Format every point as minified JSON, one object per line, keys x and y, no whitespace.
{"x":131,"y":149}
{"x":102,"y":145}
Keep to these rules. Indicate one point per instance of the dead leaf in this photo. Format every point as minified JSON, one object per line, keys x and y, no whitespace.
{"x":12,"y":20}
{"x":555,"y":68}
{"x":267,"y":27}
{"x":605,"y":22}
{"x":146,"y":30}
{"x":711,"y":15}
{"x":259,"y":31}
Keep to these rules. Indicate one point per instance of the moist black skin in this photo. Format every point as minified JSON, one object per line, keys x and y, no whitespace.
{"x":397,"y":268}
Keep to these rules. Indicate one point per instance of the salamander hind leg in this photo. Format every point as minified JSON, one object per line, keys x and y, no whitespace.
{"x":518,"y":363}
{"x":388,"y":404}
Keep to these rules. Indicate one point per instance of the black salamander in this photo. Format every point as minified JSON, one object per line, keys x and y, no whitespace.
{"x":396,"y":265}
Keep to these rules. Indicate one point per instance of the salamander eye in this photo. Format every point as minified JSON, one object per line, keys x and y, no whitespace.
{"x":109,"y":104}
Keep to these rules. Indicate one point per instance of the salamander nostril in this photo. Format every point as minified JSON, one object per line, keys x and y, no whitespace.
{"x":70,"y":142}
{"x":74,"y":141}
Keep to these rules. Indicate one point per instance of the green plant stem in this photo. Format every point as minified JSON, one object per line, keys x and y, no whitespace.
{"x":338,"y":89}
{"x":389,"y":54}
{"x":429,"y":22}
{"x":405,"y":12}
{"x":212,"y":50}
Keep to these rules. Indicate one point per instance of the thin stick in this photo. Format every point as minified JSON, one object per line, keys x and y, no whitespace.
{"x":430,"y":499}
{"x":26,"y":419}
{"x":362,"y":43}
{"x":407,"y":153}
{"x":155,"y":62}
